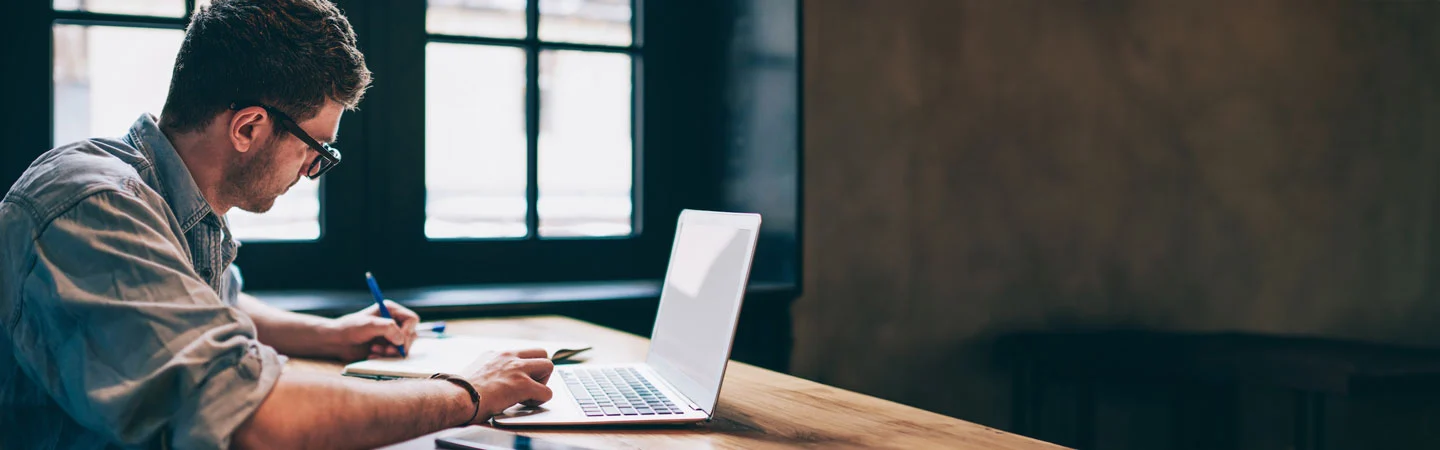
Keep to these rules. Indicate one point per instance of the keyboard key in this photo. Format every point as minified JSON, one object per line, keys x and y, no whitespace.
{"x":616,"y":392}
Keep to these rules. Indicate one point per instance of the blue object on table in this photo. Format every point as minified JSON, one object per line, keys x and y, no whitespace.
{"x":436,"y":327}
{"x":380,"y":300}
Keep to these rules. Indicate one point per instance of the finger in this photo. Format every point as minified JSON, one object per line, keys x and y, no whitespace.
{"x":537,"y":369}
{"x":400,"y":313}
{"x":360,"y":353}
{"x":383,"y":351}
{"x":533,"y":353}
{"x":410,"y":334}
{"x":535,"y":393}
{"x":387,"y":329}
{"x":353,"y":354}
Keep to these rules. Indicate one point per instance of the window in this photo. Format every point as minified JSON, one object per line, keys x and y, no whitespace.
{"x":529,"y":136}
{"x":105,"y":76}
{"x":155,"y":8}
{"x":527,"y":110}
{"x":504,"y":141}
{"x":112,"y":62}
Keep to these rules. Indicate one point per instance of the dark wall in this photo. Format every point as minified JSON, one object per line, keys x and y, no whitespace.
{"x":977,"y":168}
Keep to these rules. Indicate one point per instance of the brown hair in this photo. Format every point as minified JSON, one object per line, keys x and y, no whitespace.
{"x":290,"y":54}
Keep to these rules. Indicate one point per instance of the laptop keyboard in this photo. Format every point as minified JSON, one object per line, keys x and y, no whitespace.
{"x":616,"y":391}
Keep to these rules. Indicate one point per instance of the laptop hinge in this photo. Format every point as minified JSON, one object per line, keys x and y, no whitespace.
{"x":677,"y":392}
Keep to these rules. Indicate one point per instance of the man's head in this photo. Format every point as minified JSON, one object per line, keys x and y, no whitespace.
{"x":297,"y":57}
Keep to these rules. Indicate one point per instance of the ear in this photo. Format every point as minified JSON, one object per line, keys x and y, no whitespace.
{"x":249,"y":126}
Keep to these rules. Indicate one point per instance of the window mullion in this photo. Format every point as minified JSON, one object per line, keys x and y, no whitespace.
{"x":532,"y":119}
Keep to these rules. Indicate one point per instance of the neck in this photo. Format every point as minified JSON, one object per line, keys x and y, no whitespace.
{"x":203,"y":158}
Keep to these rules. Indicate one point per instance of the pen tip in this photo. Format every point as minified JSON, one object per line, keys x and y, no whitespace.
{"x":367,"y":275}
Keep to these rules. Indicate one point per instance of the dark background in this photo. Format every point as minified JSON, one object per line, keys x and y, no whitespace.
{"x":978,"y":169}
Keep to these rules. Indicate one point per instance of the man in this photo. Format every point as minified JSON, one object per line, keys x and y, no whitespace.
{"x":123,"y":320}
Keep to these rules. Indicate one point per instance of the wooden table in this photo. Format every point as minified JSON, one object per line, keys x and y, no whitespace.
{"x":758,"y":408}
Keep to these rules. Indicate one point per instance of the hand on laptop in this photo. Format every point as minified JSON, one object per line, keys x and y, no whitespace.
{"x":364,"y":334}
{"x":504,"y":379}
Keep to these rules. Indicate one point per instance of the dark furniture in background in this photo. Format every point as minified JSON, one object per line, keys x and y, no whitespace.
{"x":1206,"y":371}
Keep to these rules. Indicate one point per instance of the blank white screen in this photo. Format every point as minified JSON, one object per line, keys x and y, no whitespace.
{"x":699,"y":306}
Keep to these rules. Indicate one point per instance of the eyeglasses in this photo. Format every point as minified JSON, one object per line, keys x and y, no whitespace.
{"x":329,"y":156}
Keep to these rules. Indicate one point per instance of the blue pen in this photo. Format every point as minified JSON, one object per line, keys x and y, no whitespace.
{"x":431,"y":329}
{"x":435,"y":327}
{"x":380,"y":301}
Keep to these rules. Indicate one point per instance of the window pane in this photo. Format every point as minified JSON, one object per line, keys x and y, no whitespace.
{"x":585,"y":21}
{"x":489,"y":18}
{"x":474,"y":141}
{"x":295,"y":216}
{"x":585,"y":149}
{"x":161,"y":8}
{"x":105,"y":77}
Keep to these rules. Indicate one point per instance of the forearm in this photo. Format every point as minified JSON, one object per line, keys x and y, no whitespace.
{"x":317,"y":411}
{"x":289,"y":332}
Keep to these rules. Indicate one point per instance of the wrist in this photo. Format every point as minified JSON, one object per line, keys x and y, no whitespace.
{"x":467,"y":400}
{"x":331,"y":336}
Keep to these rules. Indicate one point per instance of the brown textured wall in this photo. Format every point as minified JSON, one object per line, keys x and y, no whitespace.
{"x":975,"y":168}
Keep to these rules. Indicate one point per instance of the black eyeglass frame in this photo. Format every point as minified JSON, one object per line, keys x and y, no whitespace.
{"x":329,"y":156}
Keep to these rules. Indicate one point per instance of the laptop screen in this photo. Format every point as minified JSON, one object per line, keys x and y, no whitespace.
{"x":700,"y":301}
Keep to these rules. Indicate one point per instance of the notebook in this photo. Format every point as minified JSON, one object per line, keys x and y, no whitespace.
{"x":452,"y":354}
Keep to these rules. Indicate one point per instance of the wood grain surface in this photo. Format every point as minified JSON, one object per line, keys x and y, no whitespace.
{"x":758,"y":408}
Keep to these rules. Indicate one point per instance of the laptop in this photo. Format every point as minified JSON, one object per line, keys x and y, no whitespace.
{"x":679,"y":382}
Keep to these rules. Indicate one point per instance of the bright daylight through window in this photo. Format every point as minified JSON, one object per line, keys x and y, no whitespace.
{"x":477,"y":161}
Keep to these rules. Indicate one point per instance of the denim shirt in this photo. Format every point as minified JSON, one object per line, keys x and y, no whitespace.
{"x":117,"y":300}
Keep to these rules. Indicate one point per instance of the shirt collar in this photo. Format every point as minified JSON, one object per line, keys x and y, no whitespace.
{"x":176,"y":184}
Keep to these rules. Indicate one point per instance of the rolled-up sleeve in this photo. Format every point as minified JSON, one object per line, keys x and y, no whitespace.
{"x":116,"y":326}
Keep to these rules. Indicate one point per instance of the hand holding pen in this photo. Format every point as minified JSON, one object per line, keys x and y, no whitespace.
{"x":385,"y":314}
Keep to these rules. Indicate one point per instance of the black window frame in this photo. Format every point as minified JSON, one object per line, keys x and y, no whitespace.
{"x":393,"y":36}
{"x":532,"y":258}
{"x":373,"y":209}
